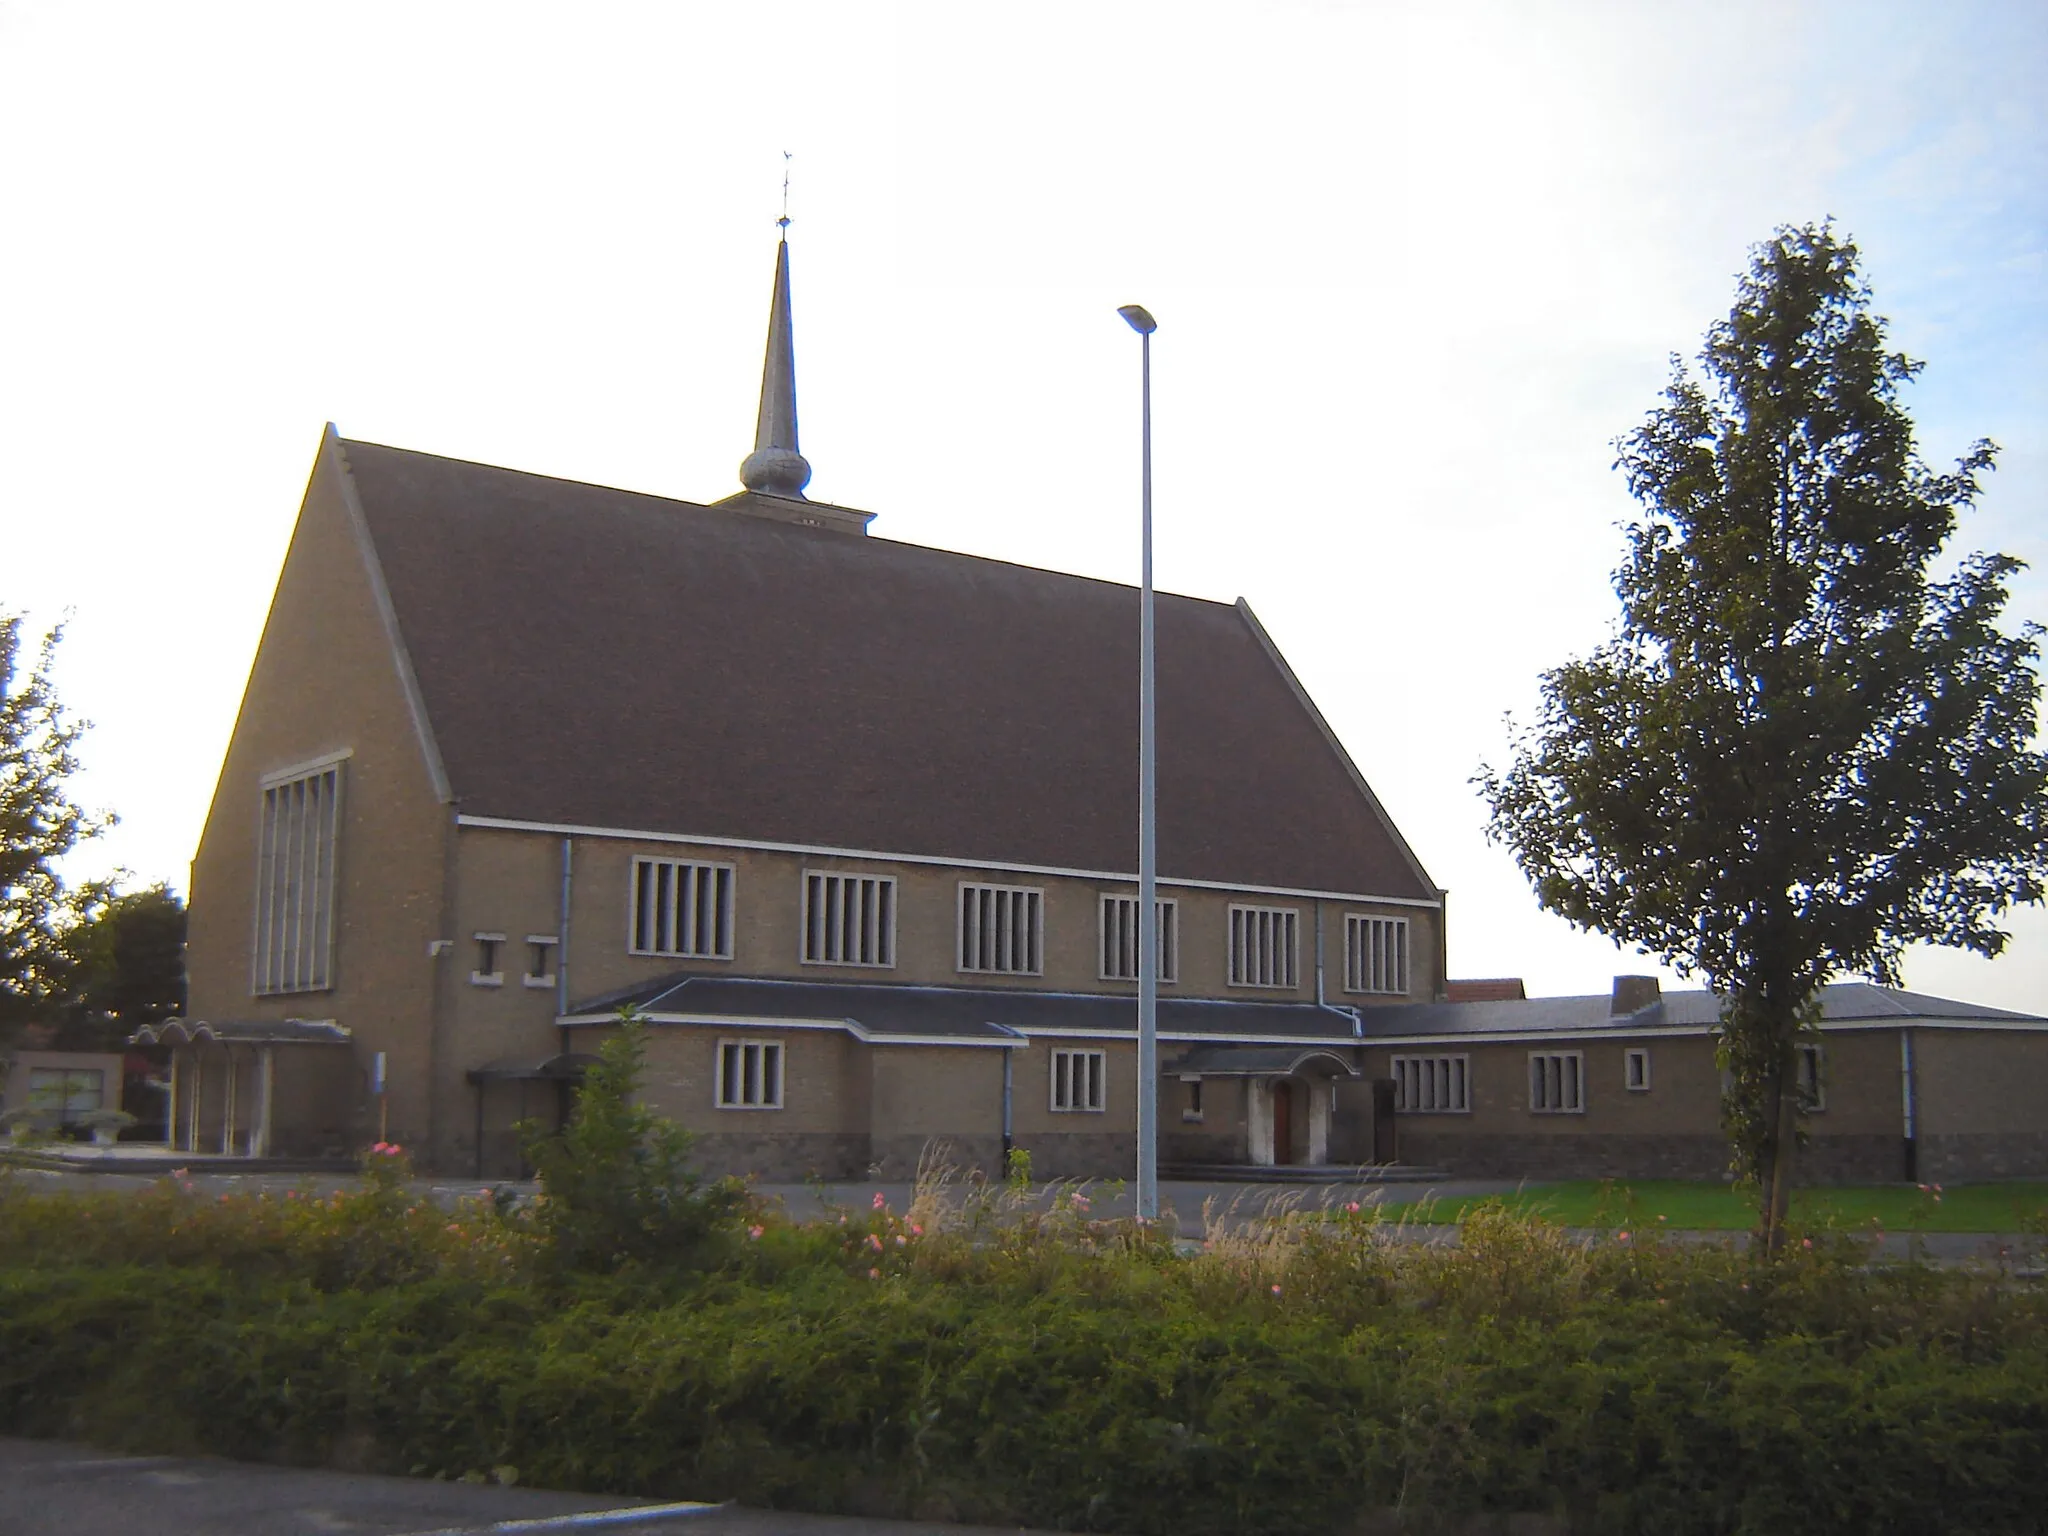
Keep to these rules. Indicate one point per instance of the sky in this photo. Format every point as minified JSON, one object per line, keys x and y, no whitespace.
{"x":1416,"y":268}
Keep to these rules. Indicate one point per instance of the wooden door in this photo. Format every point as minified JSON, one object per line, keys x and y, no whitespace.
{"x":1283,"y":1122}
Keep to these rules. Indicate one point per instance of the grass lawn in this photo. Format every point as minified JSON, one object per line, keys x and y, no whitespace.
{"x":1717,"y":1207}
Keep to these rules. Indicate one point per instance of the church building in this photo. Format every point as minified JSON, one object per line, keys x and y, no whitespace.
{"x":852,"y":824}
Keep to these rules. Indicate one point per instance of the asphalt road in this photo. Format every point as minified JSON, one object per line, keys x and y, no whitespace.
{"x":59,"y":1488}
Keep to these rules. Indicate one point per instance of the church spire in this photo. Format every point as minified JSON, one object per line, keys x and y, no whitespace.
{"x":775,"y":467}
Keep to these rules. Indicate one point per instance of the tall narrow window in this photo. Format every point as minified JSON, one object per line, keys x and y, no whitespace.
{"x":1813,"y":1078}
{"x":749,"y":1074}
{"x":295,"y":856}
{"x":1120,"y":939}
{"x":849,"y":919}
{"x":540,"y":959}
{"x":1432,"y":1085}
{"x":682,"y":908}
{"x":1002,"y":929}
{"x":487,"y":973}
{"x":1262,"y":946}
{"x":1557,"y":1082}
{"x":1077,"y":1081}
{"x":1375,"y":953}
{"x":1635,"y":1069}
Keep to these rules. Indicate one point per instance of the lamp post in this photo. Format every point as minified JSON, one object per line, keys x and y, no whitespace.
{"x":1141,"y":321}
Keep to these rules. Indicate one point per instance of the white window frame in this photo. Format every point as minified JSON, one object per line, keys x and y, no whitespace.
{"x":1082,"y":1093}
{"x":1375,"y":954}
{"x":1810,"y":1076}
{"x":1263,"y":946}
{"x":833,"y":927}
{"x":1435,"y":1084}
{"x":757,"y":1061}
{"x":1557,"y":1082}
{"x":999,"y":930}
{"x":1116,"y":930}
{"x":298,"y":845}
{"x":1631,"y":1079}
{"x":491,"y":974}
{"x":685,"y":923}
{"x":549,"y":947}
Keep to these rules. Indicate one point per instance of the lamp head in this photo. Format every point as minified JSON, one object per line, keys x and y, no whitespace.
{"x":1140,"y":318}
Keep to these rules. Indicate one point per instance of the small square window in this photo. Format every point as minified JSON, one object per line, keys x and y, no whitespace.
{"x":1635,"y":1069}
{"x":1557,"y":1082}
{"x":749,"y":1074}
{"x":1077,"y":1081}
{"x":1002,"y":929}
{"x":1432,"y":1085}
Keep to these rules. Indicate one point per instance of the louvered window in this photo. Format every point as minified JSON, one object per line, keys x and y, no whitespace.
{"x":1002,"y":929}
{"x":1375,"y":953}
{"x":749,"y":1074}
{"x":1077,"y":1081}
{"x":1557,"y":1082}
{"x":849,"y":919}
{"x":1432,"y":1085}
{"x":1120,"y":939}
{"x":1262,"y":946}
{"x":682,"y":908}
{"x":295,"y":857}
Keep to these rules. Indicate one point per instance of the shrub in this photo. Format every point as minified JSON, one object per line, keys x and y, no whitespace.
{"x":616,"y":1183}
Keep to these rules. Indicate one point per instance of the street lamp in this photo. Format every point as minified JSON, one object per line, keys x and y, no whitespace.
{"x":1141,"y":321}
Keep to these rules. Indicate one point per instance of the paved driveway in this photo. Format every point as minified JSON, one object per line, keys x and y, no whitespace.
{"x":57,"y":1488}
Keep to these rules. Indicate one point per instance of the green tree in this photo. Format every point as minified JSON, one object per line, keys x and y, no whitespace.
{"x":1804,"y":749}
{"x":127,"y":967}
{"x":39,"y":824}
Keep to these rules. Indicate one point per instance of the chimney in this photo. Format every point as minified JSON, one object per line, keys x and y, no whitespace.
{"x":1632,"y":994}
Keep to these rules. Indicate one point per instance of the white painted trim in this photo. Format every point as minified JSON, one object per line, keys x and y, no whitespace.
{"x":387,"y":614}
{"x":873,"y":855}
{"x":755,"y":1021}
{"x":1626,"y":1055}
{"x":312,"y":765}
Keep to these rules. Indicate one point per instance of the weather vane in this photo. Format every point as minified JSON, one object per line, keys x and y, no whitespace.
{"x":783,"y":222}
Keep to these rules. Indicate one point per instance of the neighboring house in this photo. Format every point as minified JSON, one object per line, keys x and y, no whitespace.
{"x":852,"y":824}
{"x":61,"y":1086}
{"x":855,"y":820}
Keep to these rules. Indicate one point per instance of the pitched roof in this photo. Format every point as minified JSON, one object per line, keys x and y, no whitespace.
{"x":600,"y":658}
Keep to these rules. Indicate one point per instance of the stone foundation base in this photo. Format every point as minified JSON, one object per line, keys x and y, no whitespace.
{"x":1825,"y":1160}
{"x":790,"y":1158}
{"x":1988,"y":1155}
{"x":898,"y":1158}
{"x":1083,"y":1155}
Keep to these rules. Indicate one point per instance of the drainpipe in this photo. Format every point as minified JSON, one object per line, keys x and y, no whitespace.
{"x":1357,"y":1019}
{"x":1009,"y":1063}
{"x":1907,"y":1104}
{"x":562,"y":947}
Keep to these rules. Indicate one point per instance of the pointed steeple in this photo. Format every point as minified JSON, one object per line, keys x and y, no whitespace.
{"x":775,"y":467}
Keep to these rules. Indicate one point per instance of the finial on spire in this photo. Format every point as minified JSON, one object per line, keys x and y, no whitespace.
{"x":775,"y":467}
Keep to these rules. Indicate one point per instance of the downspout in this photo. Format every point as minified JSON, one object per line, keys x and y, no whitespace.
{"x":1907,"y":1096}
{"x":1009,"y":1083}
{"x":1357,"y":1019}
{"x":562,"y":949}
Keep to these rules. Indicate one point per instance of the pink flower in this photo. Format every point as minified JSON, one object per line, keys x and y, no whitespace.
{"x":1806,"y":1242}
{"x":916,"y":1230}
{"x":1080,"y":1202}
{"x":880,"y":1203}
{"x":755,"y":1232}
{"x":874,"y":1242}
{"x":874,"y":1274}
{"x":1276,"y":1290}
{"x":901,"y":1239}
{"x":1621,"y":1237}
{"x":1351,"y":1206}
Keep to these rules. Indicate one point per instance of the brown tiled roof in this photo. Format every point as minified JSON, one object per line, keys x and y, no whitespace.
{"x":600,"y":658}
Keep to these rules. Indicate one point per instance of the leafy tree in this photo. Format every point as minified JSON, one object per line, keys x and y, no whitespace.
{"x":127,"y":967}
{"x":617,"y":1183}
{"x":1803,"y":750}
{"x":39,"y":824}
